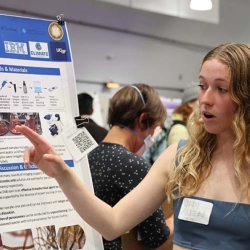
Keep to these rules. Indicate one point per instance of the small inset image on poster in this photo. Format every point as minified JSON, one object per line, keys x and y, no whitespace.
{"x":45,"y":238}
{"x":8,"y":122}
{"x":1,"y":243}
{"x":54,"y":122}
{"x":21,"y":239}
{"x":71,"y":237}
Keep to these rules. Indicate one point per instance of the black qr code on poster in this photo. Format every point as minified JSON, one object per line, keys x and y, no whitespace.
{"x":82,"y":142}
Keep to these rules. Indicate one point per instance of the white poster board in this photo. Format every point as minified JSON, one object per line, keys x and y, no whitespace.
{"x":37,"y":89}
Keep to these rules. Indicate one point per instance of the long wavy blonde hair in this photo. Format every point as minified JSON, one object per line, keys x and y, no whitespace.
{"x":185,"y":110}
{"x":194,"y":159}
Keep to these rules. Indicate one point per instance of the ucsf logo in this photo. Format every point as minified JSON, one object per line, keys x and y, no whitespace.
{"x":60,"y":50}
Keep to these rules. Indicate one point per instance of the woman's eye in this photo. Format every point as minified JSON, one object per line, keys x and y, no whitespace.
{"x":223,"y":90}
{"x":201,"y":86}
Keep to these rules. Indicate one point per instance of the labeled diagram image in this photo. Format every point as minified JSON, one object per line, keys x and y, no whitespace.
{"x":4,"y":82}
{"x":37,"y":87}
{"x":26,"y":87}
{"x":25,"y":91}
{"x":8,"y":122}
{"x":45,"y":238}
{"x":52,"y":88}
{"x":71,"y":237}
{"x":21,"y":239}
{"x":16,"y":87}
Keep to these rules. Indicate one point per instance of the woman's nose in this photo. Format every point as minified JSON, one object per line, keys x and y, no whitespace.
{"x":206,"y":97}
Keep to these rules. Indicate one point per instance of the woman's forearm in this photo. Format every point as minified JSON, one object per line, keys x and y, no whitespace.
{"x":93,"y":210}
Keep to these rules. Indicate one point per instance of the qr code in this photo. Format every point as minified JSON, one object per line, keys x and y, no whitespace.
{"x":82,"y":142}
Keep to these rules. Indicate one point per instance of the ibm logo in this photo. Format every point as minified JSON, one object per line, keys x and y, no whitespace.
{"x":15,"y":48}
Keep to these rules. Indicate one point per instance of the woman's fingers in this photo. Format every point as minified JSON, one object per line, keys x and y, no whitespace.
{"x":54,"y":159}
{"x":42,"y":154}
{"x":28,"y":156}
{"x":53,"y":166}
{"x":34,"y":138}
{"x":37,"y":140}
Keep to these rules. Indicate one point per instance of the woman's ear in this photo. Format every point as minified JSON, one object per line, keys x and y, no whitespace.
{"x":142,"y":121}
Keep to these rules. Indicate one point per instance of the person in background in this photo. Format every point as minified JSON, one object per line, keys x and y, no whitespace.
{"x":160,"y":144}
{"x":116,"y":164}
{"x":85,"y":103}
{"x":206,"y":177}
{"x":178,"y":127}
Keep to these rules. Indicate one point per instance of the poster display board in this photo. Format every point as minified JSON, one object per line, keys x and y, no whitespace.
{"x":38,"y":90}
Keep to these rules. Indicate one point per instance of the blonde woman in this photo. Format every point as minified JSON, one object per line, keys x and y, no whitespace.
{"x":208,"y":182}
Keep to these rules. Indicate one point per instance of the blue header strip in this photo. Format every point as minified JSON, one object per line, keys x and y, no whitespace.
{"x":33,"y":39}
{"x":10,"y":167}
{"x":28,"y":70}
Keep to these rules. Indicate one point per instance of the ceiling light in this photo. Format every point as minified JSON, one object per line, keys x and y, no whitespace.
{"x":201,"y":5}
{"x":112,"y":85}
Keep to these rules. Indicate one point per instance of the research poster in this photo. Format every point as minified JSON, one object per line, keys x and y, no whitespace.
{"x":38,"y":90}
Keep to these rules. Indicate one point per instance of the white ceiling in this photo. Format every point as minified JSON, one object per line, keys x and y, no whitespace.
{"x":233,"y":23}
{"x":178,"y":8}
{"x":173,"y":43}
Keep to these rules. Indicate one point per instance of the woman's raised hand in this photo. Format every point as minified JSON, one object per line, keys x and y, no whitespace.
{"x":42,"y":154}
